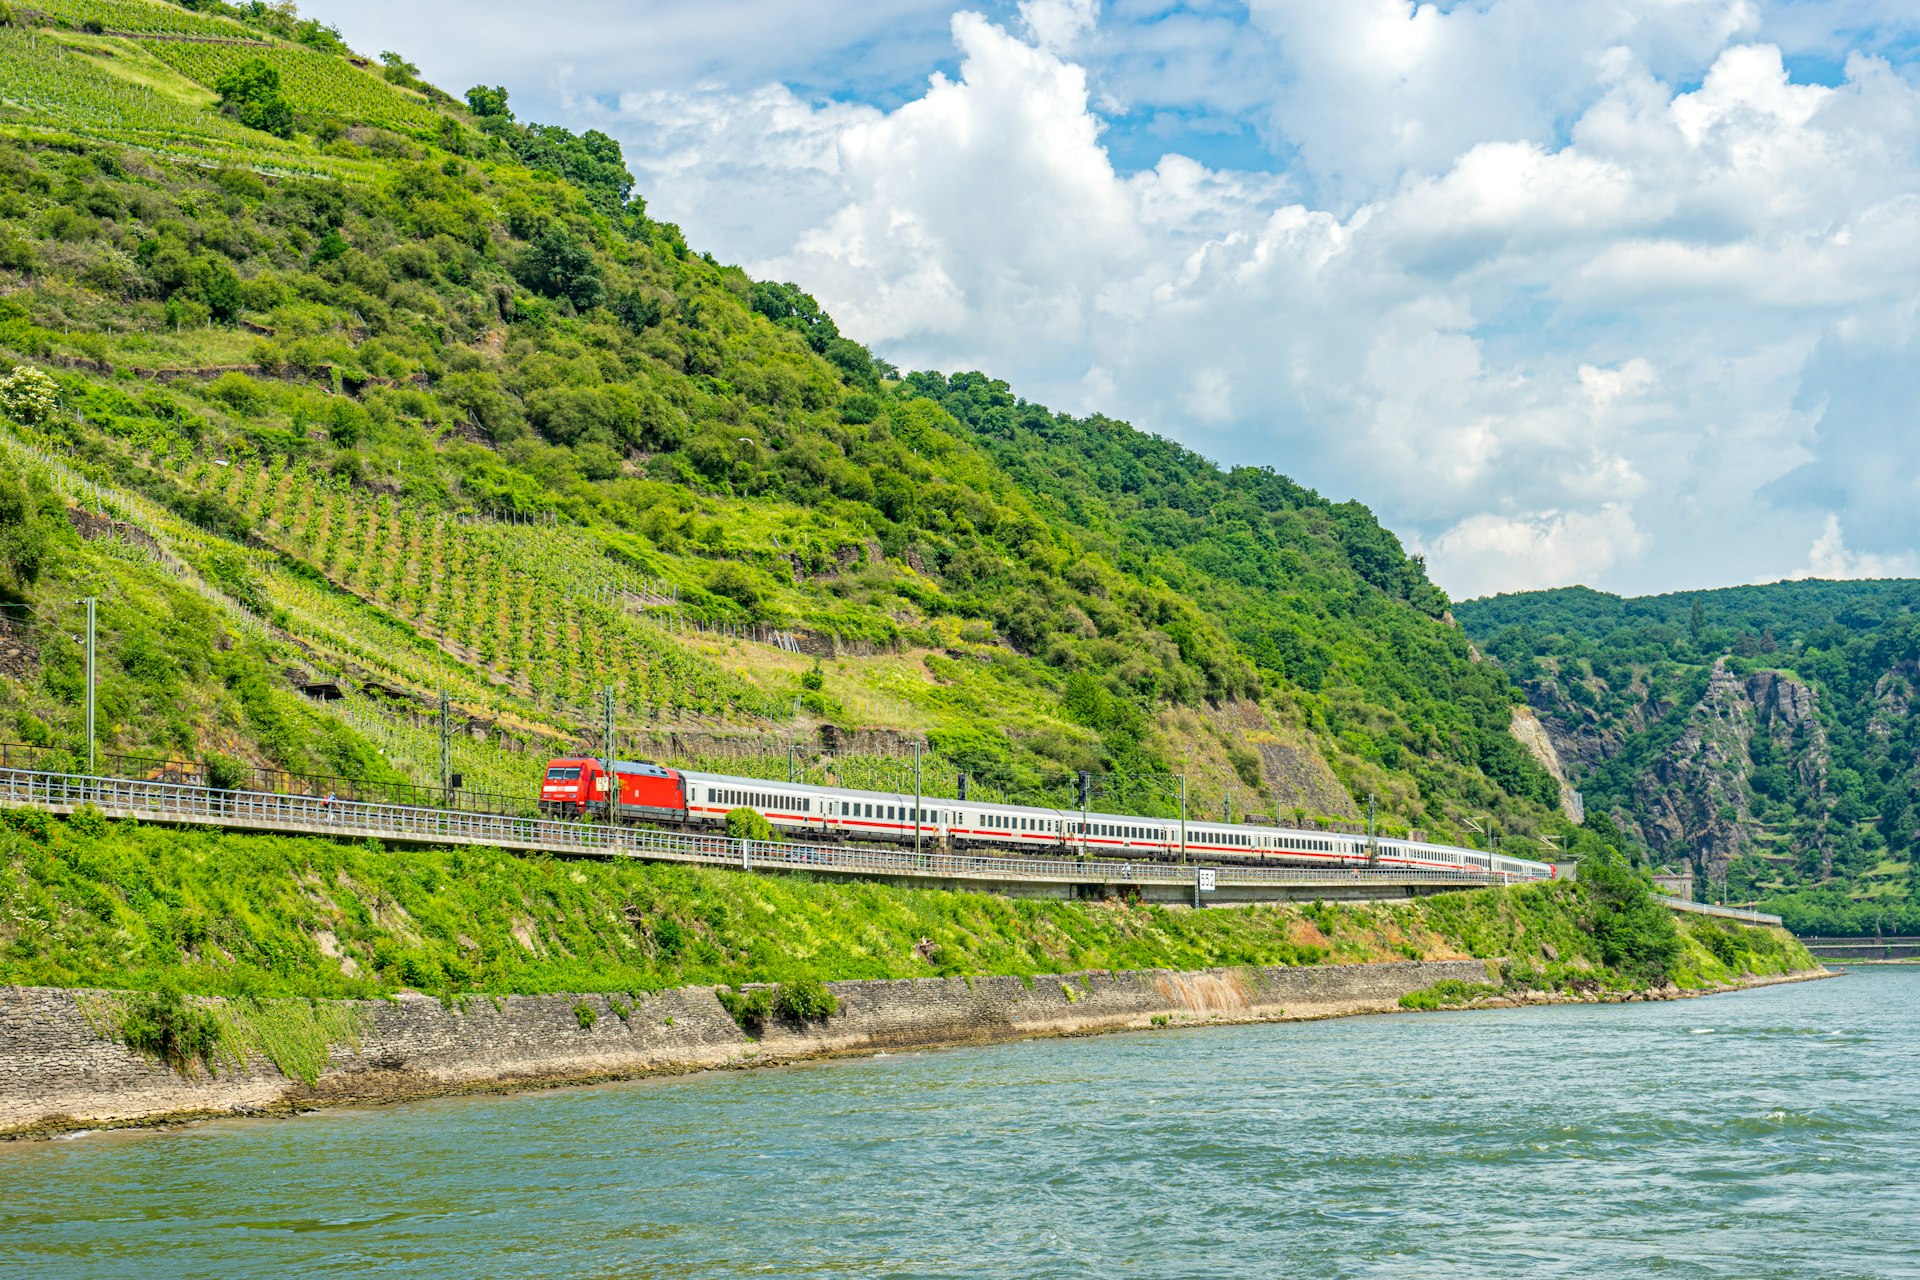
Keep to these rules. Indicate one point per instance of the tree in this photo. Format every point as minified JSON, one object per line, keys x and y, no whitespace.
{"x":397,"y":70}
{"x":1637,"y":935}
{"x":250,"y":92}
{"x":28,"y":396}
{"x":488,"y":103}
{"x":558,"y":265}
{"x":791,"y":307}
{"x":23,"y":536}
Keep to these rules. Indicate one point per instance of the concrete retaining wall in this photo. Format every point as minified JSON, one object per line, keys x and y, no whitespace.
{"x":58,"y":1073}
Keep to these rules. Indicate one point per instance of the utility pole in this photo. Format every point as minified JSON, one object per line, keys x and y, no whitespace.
{"x":916,"y":799}
{"x":789,"y":762}
{"x":1226,"y":808}
{"x":1086,"y":801}
{"x":613,"y":778}
{"x":446,"y":751}
{"x":1183,"y":817}
{"x":91,"y":603}
{"x":1373,"y":847}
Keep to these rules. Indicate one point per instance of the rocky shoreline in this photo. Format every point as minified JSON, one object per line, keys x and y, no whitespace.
{"x":60,"y":1073}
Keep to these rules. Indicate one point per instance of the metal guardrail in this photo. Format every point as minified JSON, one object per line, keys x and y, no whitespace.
{"x":180,"y":803}
{"x":1709,"y":909}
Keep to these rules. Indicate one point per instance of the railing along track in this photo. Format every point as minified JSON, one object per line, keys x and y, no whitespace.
{"x":185,"y":804}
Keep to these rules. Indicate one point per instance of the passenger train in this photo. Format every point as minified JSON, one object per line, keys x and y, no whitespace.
{"x":577,"y":787}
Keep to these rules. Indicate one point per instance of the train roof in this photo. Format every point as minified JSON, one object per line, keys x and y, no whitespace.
{"x":649,"y":769}
{"x":643,"y":768}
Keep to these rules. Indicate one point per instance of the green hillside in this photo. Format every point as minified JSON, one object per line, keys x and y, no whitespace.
{"x":1762,"y":735}
{"x":326,"y":380}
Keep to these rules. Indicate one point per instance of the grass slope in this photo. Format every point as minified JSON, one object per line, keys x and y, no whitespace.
{"x":89,"y":903}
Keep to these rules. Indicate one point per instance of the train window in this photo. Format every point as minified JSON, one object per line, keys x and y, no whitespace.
{"x":563,"y":775}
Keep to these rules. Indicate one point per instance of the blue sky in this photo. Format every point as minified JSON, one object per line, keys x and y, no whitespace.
{"x":1622,"y":292}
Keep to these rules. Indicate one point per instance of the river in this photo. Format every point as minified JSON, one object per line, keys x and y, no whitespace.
{"x":1769,"y":1133}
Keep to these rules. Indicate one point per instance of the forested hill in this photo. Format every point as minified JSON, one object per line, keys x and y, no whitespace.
{"x":1761,"y":735}
{"x":324,"y":379}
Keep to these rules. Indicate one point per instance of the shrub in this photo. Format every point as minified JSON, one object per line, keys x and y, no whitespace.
{"x":225,"y":773}
{"x":748,"y":1009}
{"x":559,"y":265}
{"x":585,"y":1015}
{"x":1723,"y":944}
{"x":164,"y":1027}
{"x":34,"y":823}
{"x":250,"y":91}
{"x":807,"y":1000}
{"x":1638,"y":937}
{"x":1447,"y":994}
{"x":28,"y":396}
{"x":749,"y":824}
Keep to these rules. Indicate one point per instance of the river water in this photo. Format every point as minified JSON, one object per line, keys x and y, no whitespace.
{"x":1769,"y":1133}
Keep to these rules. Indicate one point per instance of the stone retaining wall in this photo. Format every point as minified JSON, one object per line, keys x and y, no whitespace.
{"x":57,"y":1073}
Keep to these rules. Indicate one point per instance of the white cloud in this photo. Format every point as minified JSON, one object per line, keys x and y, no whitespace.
{"x":1545,"y":357}
{"x":1563,"y":291}
{"x":1487,"y":553}
{"x":1829,"y":558}
{"x":1058,"y":25}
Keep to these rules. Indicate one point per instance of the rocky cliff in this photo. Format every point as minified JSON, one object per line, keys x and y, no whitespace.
{"x":1693,"y":799}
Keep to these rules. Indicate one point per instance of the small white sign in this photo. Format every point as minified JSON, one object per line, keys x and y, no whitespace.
{"x":1206,"y":879}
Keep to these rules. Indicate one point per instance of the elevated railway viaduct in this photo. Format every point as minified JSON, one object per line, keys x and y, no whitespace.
{"x":181,"y":804}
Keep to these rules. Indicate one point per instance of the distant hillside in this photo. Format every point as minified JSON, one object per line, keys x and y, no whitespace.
{"x":359,"y":388}
{"x":1762,"y":735}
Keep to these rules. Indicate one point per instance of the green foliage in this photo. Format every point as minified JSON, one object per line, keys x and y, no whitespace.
{"x":805,"y":1000}
{"x":165,"y":1026}
{"x":1843,"y":804}
{"x":26,"y":535}
{"x":139,"y":908}
{"x":585,"y":1014}
{"x":802,"y":1000}
{"x":250,"y":91}
{"x":1448,"y":994}
{"x":558,"y":265}
{"x":485,"y":102}
{"x":750,"y":824}
{"x":309,"y":85}
{"x":28,"y":396}
{"x":475,"y":327}
{"x":749,"y":1009}
{"x":140,"y":17}
{"x":296,"y":1036}
{"x":1637,"y":936}
{"x":226,"y":773}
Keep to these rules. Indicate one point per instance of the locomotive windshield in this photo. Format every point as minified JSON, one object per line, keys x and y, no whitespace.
{"x":564,"y":775}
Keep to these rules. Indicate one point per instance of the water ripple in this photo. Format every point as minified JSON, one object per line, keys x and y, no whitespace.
{"x":1775,"y":1133}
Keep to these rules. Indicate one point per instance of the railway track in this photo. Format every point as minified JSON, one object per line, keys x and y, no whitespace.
{"x":182,"y":804}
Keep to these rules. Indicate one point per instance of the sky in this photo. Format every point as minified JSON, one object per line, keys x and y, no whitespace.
{"x":1618,"y":292}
